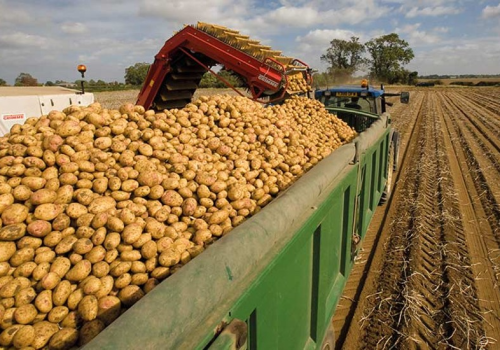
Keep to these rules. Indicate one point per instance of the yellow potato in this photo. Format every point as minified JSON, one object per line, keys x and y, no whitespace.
{"x":25,"y":314}
{"x":64,"y":339}
{"x":90,"y":330}
{"x":88,"y":307}
{"x":57,"y":314}
{"x":7,"y":249}
{"x":44,"y":330}
{"x":7,"y":336}
{"x":24,"y":337}
{"x":43,"y":301}
{"x":130,"y":295}
{"x":61,"y":293}
{"x":80,"y":271}
{"x":12,"y":232}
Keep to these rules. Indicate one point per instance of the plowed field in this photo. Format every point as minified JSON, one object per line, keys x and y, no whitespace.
{"x":428,"y":276}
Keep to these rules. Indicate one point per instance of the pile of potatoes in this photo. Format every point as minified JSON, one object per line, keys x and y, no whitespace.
{"x":98,"y":206}
{"x":298,"y":83}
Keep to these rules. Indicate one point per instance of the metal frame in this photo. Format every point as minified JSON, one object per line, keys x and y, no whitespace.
{"x":262,"y":77}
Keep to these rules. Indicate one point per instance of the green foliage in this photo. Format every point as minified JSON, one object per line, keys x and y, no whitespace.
{"x":136,"y":74}
{"x":3,"y":82}
{"x":388,"y":55}
{"x":210,"y":81}
{"x":412,"y":78}
{"x":49,"y":83}
{"x":25,"y":79}
{"x":344,"y":58}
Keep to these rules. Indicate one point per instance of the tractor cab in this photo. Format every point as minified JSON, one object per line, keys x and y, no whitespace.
{"x":359,"y":106}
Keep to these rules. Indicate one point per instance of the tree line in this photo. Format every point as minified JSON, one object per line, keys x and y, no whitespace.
{"x":383,"y":58}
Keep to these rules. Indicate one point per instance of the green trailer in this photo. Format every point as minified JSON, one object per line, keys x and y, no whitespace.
{"x":275,"y":281}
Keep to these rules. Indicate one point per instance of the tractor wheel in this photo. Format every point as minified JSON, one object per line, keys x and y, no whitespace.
{"x":390,"y":171}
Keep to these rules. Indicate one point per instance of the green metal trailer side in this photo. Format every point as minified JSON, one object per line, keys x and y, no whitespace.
{"x":281,"y":273}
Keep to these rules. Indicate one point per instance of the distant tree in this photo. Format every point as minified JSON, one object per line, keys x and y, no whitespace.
{"x":101,"y":83}
{"x":49,"y":83}
{"x":389,"y":54}
{"x":25,"y":79}
{"x":136,"y":74}
{"x":413,"y":78}
{"x":210,"y":81}
{"x":344,"y":57}
{"x":3,"y":82}
{"x":91,"y":82}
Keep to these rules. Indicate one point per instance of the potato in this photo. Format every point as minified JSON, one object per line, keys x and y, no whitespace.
{"x":50,"y":281}
{"x":149,"y":250}
{"x":120,"y":268}
{"x":101,"y":204}
{"x":130,"y":295}
{"x":80,"y":271}
{"x":172,"y":198}
{"x":47,"y":211}
{"x":25,"y":296}
{"x":218,"y":217}
{"x":25,"y":314}
{"x":22,"y":193}
{"x":10,"y":288}
{"x":4,"y":269}
{"x":24,"y":337}
{"x":82,"y":246}
{"x":107,"y":283}
{"x":43,"y":196}
{"x":8,"y":318}
{"x":39,"y":228}
{"x":122,"y":281}
{"x":7,"y":249}
{"x":63,"y":339}
{"x":131,"y":233}
{"x":53,"y":239}
{"x":44,"y":330}
{"x":7,"y":336}
{"x":73,"y":320}
{"x":88,"y":307}
{"x":40,"y":271}
{"x":91,"y":285}
{"x":90,"y":330}
{"x":150,"y":285}
{"x":46,"y":256}
{"x":74,"y":298}
{"x":60,"y":266}
{"x":109,"y":309}
{"x":12,"y":232}
{"x":25,"y":269}
{"x":76,"y":210}
{"x":61,"y":293}
{"x":33,"y":183}
{"x":100,"y":269}
{"x":21,"y":256}
{"x":43,"y":301}
{"x":57,"y":314}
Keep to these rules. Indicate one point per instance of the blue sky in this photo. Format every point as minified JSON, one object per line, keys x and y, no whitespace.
{"x":49,"y":38}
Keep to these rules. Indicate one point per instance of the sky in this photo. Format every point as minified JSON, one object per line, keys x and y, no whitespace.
{"x":49,"y":38}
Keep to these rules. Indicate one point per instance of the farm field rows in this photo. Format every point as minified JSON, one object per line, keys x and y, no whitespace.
{"x":431,"y":279}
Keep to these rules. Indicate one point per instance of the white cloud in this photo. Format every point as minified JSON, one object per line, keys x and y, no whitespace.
{"x":73,"y":28}
{"x":417,"y":37}
{"x":491,"y":11}
{"x":433,"y":11}
{"x":10,"y":15}
{"x":17,"y":40}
